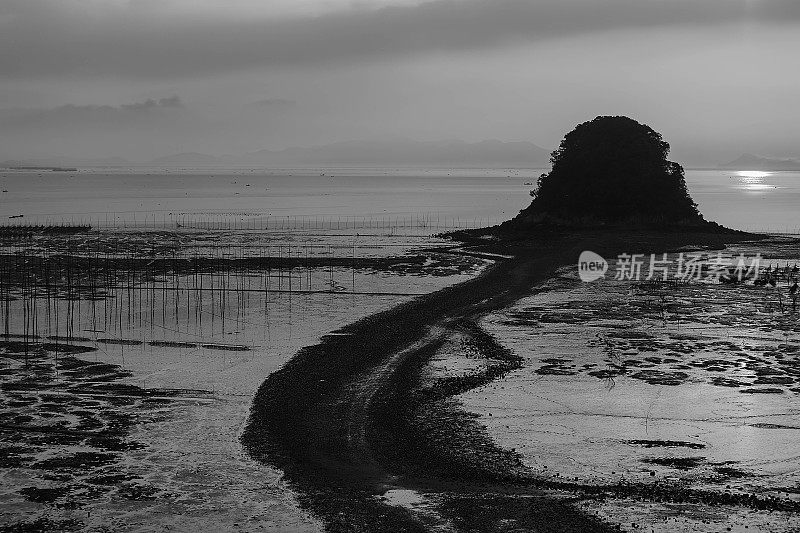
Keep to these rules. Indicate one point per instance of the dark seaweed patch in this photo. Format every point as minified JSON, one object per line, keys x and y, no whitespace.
{"x":660,"y":377}
{"x":12,"y":456}
{"x":607,"y":373}
{"x":731,"y":472}
{"x":41,"y":524}
{"x":77,"y":460}
{"x":137,"y":492}
{"x":172,"y":344}
{"x":764,"y":425}
{"x":123,"y":342}
{"x":110,"y":479}
{"x":680,"y":463}
{"x":666,"y":444}
{"x":557,"y":367}
{"x":226,"y":347}
{"x":44,"y":495}
{"x":720,"y":381}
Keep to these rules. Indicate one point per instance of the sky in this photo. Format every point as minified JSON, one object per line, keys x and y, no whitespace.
{"x":145,"y":78}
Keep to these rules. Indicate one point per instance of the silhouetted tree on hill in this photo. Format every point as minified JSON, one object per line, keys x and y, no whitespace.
{"x":612,"y":170}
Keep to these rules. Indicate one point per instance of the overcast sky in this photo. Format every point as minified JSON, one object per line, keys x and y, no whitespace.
{"x":145,"y":78}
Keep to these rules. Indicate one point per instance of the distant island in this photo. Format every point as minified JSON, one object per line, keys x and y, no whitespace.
{"x":611,"y":170}
{"x":754,"y":162}
{"x":62,"y":164}
{"x":11,"y":165}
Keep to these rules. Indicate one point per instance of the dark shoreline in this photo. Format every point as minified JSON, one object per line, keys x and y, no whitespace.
{"x":346,"y":418}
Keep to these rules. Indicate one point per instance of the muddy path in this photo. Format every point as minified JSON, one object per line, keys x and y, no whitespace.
{"x":347,"y":418}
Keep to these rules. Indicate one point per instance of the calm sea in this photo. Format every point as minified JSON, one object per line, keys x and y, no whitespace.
{"x":758,"y":201}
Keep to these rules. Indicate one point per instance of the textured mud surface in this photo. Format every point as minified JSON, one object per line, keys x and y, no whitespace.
{"x":66,"y":434}
{"x":668,"y":400}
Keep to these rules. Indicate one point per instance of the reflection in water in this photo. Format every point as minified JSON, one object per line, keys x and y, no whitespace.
{"x":753,"y":180}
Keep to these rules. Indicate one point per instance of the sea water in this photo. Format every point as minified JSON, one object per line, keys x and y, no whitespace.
{"x":306,"y":198}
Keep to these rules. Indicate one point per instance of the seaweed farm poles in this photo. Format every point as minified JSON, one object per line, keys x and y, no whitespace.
{"x":59,"y":294}
{"x":6,"y":297}
{"x":353,"y":266}
{"x":23,"y":293}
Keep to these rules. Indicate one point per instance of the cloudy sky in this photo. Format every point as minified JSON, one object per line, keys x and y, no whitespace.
{"x":145,"y":78}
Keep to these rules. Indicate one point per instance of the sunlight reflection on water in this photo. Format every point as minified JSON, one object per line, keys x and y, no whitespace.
{"x":753,"y":180}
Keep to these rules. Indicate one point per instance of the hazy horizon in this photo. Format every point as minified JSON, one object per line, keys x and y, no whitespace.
{"x":140,"y":79}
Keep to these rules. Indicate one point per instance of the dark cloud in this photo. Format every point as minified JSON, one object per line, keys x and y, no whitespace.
{"x":81,"y":116}
{"x":41,"y":38}
{"x":173,"y":102}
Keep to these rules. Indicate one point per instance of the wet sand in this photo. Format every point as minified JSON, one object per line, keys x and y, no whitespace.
{"x":360,"y":433}
{"x":372,"y":427}
{"x":179,"y":372}
{"x":685,"y":391}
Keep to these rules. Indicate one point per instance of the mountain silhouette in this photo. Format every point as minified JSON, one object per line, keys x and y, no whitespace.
{"x":611,"y":170}
{"x":754,"y":162}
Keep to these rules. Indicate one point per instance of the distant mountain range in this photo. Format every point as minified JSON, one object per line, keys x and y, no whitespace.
{"x":407,"y":153}
{"x":188,"y":158}
{"x":451,"y":153}
{"x":754,"y":162}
